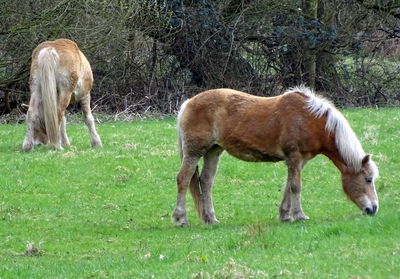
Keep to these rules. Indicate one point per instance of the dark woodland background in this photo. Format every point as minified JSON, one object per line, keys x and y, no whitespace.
{"x":149,"y":55}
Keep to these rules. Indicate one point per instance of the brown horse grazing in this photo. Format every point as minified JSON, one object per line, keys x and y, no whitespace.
{"x":293,"y":127}
{"x":60,"y":73}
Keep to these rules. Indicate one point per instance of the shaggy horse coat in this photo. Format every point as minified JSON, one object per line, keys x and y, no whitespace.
{"x":60,"y":73}
{"x":293,"y":127}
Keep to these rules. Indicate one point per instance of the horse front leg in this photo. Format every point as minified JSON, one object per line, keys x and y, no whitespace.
{"x":28,"y":141}
{"x":291,"y":209}
{"x":183,"y":178}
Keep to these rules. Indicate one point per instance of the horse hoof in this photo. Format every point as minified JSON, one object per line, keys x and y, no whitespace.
{"x":284,"y":216}
{"x":181,"y":223}
{"x":27,"y":148}
{"x":96,"y":143}
{"x":211,"y":221}
{"x":65,"y":144}
{"x":301,"y":217}
{"x":286,"y":219}
{"x":179,"y":219}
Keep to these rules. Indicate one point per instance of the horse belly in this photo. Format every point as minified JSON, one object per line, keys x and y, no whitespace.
{"x":255,"y":155}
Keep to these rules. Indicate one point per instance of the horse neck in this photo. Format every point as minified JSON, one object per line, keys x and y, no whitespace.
{"x":334,"y":155}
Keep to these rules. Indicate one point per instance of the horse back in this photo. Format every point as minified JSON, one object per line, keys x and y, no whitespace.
{"x":74,"y":73}
{"x":67,"y":51}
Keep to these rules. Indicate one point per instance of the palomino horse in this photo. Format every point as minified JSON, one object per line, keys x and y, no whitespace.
{"x":59,"y":73}
{"x":293,"y":127}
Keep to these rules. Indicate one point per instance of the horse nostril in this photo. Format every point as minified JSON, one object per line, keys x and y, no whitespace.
{"x":371,"y":211}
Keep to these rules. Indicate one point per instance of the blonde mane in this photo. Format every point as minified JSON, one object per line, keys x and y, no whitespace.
{"x":346,"y":141}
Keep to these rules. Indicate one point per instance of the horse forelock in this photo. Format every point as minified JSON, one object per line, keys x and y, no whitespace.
{"x":347,"y":143}
{"x":373,"y":168}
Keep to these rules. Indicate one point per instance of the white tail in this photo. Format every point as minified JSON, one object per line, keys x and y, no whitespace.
{"x":47,"y":63}
{"x":182,"y":108}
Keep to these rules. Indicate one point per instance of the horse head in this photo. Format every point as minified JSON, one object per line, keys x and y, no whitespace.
{"x":359,"y":186}
{"x":36,"y":134}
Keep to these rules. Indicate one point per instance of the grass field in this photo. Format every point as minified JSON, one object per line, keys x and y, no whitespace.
{"x":106,"y":213}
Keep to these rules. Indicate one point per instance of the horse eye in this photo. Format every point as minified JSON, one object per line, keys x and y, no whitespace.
{"x":368,"y":179}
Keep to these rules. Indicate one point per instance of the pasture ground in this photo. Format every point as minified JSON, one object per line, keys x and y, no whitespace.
{"x":106,"y":213}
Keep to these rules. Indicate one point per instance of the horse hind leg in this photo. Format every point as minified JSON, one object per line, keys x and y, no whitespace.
{"x":63,"y":131}
{"x":63,"y":102}
{"x":184,"y":177}
{"x":89,"y":121}
{"x":211,"y":159}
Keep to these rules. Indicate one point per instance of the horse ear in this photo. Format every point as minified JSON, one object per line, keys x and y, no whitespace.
{"x":366,"y":159}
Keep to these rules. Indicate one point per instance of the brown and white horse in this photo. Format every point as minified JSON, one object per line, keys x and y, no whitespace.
{"x":293,"y":127}
{"x":60,"y":73}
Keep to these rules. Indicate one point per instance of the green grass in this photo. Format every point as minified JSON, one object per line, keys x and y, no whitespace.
{"x":106,"y":213}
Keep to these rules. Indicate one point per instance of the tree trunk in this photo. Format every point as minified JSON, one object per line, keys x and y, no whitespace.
{"x":7,"y":101}
{"x":310,"y":8}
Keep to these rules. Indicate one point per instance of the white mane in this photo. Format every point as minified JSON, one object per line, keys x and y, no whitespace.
{"x":346,"y":141}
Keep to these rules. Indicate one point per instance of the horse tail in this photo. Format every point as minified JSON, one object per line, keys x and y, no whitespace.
{"x":195,"y":190}
{"x":194,"y":186}
{"x":47,"y":62}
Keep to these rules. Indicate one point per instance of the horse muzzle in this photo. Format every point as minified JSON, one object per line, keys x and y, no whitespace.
{"x":370,"y":210}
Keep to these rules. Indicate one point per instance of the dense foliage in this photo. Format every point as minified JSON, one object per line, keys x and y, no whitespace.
{"x":151,"y":54}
